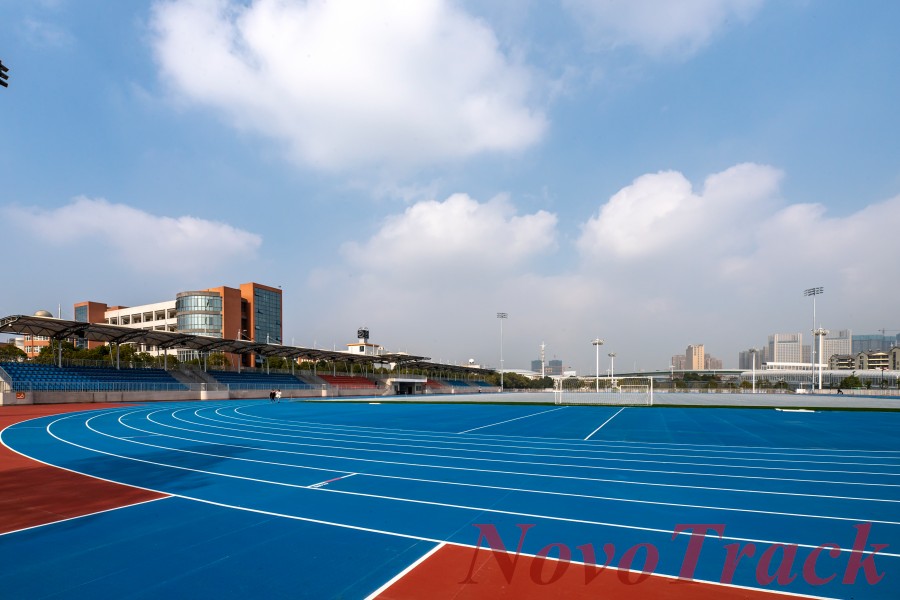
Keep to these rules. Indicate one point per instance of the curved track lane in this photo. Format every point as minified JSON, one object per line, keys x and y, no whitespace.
{"x":435,"y":485}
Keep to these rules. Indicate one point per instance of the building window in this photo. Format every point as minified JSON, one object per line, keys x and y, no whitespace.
{"x":268,"y":309}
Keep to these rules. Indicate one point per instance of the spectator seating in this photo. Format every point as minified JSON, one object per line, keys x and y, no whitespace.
{"x":480,"y":384}
{"x":259,"y":380}
{"x":456,"y":383}
{"x":51,"y":377}
{"x":348,"y":380}
{"x":432,"y":383}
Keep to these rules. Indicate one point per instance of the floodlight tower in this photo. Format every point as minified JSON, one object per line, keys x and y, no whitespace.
{"x":3,"y":75}
{"x":753,"y":352}
{"x":543,"y":345}
{"x":501,"y":316}
{"x":597,"y":343}
{"x":819,"y":334}
{"x":816,"y":291}
{"x":612,"y":367}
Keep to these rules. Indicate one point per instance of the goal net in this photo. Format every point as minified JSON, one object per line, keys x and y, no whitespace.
{"x":631,"y":391}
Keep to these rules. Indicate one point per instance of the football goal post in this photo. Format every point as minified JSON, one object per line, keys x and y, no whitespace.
{"x":619,"y":391}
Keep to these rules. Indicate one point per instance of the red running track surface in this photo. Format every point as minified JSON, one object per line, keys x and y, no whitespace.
{"x":441,"y":576}
{"x":32,"y":493}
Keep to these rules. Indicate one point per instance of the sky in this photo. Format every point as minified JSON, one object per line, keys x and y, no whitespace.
{"x":652,"y":173}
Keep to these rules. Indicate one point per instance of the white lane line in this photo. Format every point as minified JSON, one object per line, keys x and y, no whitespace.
{"x":604,"y":423}
{"x":441,"y":466}
{"x":321,"y":483}
{"x":510,"y":420}
{"x":496,"y":460}
{"x":319,"y":437}
{"x":402,"y":573}
{"x":89,"y":514}
{"x":356,"y":527}
{"x":377,"y":497}
{"x":475,"y":485}
{"x":504,"y":440}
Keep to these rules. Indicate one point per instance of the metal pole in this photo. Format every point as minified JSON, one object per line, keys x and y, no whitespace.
{"x":117,"y":355}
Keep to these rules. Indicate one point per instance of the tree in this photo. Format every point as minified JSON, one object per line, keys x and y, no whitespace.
{"x":746,"y":385}
{"x":217,"y":359}
{"x":11,"y":351}
{"x":849,"y":383}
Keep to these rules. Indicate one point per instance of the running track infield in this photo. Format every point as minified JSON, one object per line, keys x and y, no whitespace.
{"x":355,"y":500}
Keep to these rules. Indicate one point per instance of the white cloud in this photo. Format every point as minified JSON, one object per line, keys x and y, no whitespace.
{"x":659,"y":213}
{"x":658,"y":27}
{"x":458,"y":234}
{"x":662,"y":266}
{"x":143,"y":241}
{"x":350,"y":83}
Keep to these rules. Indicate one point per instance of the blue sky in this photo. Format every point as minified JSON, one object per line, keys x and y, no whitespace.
{"x":652,"y":173}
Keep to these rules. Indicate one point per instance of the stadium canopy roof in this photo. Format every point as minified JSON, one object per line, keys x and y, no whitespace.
{"x":60,"y":329}
{"x":431,"y":366}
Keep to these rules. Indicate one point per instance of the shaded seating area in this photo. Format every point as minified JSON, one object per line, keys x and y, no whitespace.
{"x":480,"y":384}
{"x":456,"y":383}
{"x":432,"y":383}
{"x":348,"y":380}
{"x":52,"y":377}
{"x":259,"y":380}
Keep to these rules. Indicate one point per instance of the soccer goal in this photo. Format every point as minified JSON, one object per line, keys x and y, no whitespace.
{"x":631,"y":391}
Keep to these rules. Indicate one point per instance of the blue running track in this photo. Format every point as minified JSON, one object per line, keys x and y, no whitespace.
{"x":326,"y":500}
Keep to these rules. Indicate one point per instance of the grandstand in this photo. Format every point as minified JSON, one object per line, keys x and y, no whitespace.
{"x":456,"y":383}
{"x":238,"y":381}
{"x":348,"y":381}
{"x":479,"y":383}
{"x":52,"y":377}
{"x":28,"y":382}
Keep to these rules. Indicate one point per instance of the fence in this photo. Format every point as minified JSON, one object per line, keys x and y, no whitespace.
{"x":120,"y":386}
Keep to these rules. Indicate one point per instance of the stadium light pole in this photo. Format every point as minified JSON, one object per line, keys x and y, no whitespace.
{"x":501,"y":316}
{"x":612,"y":367}
{"x":753,"y":352}
{"x":3,"y":75}
{"x":820,"y":335}
{"x":815,"y":291}
{"x":597,"y":343}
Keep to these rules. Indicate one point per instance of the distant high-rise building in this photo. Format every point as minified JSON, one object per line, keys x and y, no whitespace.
{"x":678,"y":362}
{"x":554,"y":367}
{"x":868,"y":343}
{"x":785,"y":348}
{"x":536,"y":365}
{"x":805,"y":354}
{"x":694,"y":357}
{"x":836,"y":342}
{"x":745,"y":358}
{"x":711,"y":364}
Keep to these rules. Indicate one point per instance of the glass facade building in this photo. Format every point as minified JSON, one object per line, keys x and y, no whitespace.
{"x":81,"y":315}
{"x":266,"y":317}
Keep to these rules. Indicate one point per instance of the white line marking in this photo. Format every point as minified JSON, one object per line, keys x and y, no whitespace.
{"x":319,"y":437}
{"x":367,"y":529}
{"x":321,"y":483}
{"x":515,"y":462}
{"x":300,"y":487}
{"x":604,"y":423}
{"x":516,"y":419}
{"x":399,"y":575}
{"x":464,"y":484}
{"x":504,"y":440}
